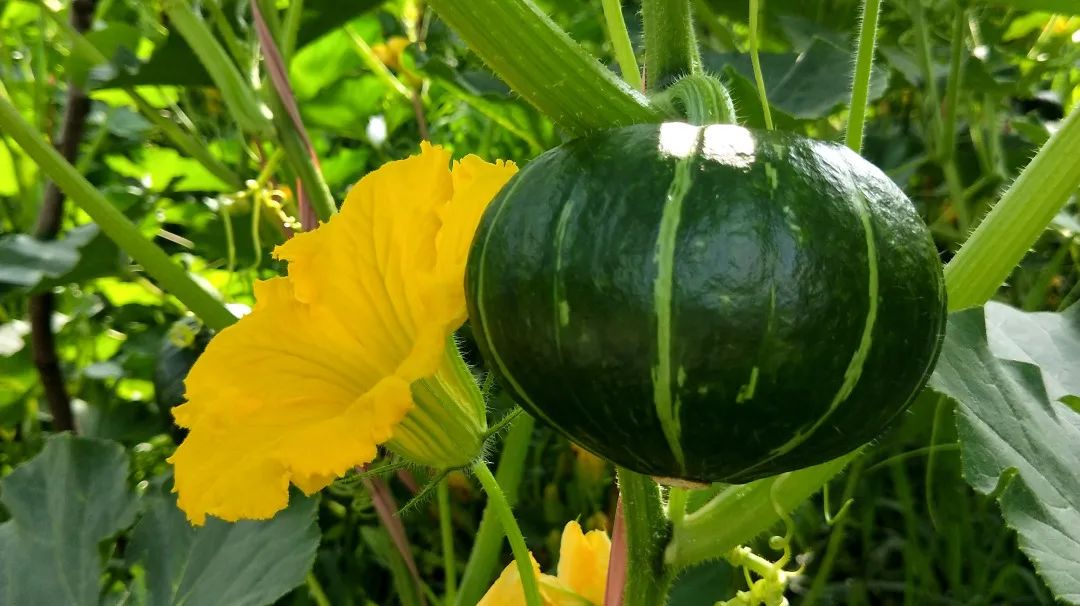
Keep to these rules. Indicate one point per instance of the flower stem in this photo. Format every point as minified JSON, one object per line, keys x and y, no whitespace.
{"x":447,"y":531}
{"x":860,"y":81}
{"x":544,"y":65}
{"x":620,"y":43}
{"x":755,"y":60}
{"x":671,"y":49}
{"x":497,"y":499}
{"x":127,"y":236}
{"x":483,"y":558}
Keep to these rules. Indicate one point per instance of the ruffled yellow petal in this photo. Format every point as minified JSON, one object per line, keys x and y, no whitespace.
{"x":475,"y":183}
{"x":583,"y":561}
{"x":366,"y":270}
{"x":582,"y":574}
{"x":508,"y":591}
{"x":307,"y":385}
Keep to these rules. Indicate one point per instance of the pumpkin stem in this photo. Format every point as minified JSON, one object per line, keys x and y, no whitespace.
{"x":699,"y":98}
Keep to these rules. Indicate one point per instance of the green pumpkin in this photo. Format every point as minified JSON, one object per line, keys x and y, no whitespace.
{"x":707,"y":303}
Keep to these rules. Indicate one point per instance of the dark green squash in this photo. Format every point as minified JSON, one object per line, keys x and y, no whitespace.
{"x":707,"y":303}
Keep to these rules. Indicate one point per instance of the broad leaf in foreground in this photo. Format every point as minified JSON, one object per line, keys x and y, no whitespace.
{"x":242,"y":564}
{"x":1049,"y":340}
{"x":63,"y":503}
{"x":1008,"y":427}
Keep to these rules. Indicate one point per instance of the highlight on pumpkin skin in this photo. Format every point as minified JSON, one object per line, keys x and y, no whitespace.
{"x":326,"y":366}
{"x":580,"y":580}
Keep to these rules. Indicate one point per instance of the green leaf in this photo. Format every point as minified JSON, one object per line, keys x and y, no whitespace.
{"x":63,"y":503}
{"x":161,"y":168}
{"x":29,"y":265}
{"x":179,"y":349}
{"x":1007,"y":426}
{"x":802,"y":85}
{"x":1051,"y":341}
{"x":240,"y":564}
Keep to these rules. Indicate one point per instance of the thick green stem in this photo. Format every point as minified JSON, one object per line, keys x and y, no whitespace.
{"x":1009,"y":230}
{"x":250,"y":115}
{"x":755,"y":60}
{"x":739,"y":513}
{"x":647,"y":530}
{"x":446,"y":530}
{"x":127,"y":236}
{"x":860,"y":81}
{"x":497,"y":499}
{"x":620,"y":43}
{"x":544,"y":65}
{"x":671,"y":49}
{"x":484,"y":558}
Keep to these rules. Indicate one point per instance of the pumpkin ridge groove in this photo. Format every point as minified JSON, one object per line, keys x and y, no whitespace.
{"x":854,"y":370}
{"x":666,"y":402}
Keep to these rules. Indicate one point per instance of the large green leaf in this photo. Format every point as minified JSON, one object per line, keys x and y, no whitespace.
{"x":802,"y":85}
{"x":1049,"y":340}
{"x":1018,"y":444}
{"x":240,"y":564}
{"x":163,"y":168}
{"x":29,"y":265}
{"x":63,"y":503}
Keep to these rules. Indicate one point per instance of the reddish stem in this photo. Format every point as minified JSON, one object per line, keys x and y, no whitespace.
{"x":386,"y":508}
{"x":616,"y":576}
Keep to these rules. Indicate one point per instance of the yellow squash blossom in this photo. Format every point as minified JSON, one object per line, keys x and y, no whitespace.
{"x":580,"y":580}
{"x":351,"y":350}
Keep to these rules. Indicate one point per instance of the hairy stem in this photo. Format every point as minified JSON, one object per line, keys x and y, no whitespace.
{"x":755,"y":60}
{"x":484,"y":557}
{"x":545,"y":66}
{"x":671,"y":49}
{"x":647,"y":532}
{"x":1008,"y":231}
{"x":620,"y":43}
{"x":860,"y":80}
{"x":497,"y":499}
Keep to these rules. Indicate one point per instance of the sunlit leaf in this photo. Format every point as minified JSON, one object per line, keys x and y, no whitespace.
{"x":1007,"y":426}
